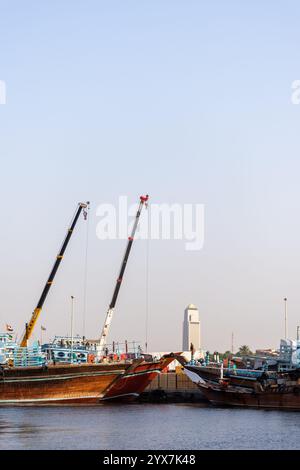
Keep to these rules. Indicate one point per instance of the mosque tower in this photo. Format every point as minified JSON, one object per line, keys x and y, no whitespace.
{"x":191,"y":328}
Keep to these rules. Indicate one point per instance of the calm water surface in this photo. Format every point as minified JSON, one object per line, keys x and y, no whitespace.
{"x":147,"y":427}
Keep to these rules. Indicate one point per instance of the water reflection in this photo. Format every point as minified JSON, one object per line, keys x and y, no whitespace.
{"x":147,"y":427}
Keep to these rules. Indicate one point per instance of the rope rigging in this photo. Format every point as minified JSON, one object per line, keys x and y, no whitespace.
{"x":85,"y":275}
{"x":147,"y":282}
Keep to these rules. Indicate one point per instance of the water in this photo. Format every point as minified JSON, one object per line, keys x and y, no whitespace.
{"x":147,"y":426}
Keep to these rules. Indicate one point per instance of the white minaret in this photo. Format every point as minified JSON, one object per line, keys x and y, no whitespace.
{"x":191,"y":328}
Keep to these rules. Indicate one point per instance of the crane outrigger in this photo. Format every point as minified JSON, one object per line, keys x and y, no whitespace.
{"x":35,"y":315}
{"x":110,"y":311}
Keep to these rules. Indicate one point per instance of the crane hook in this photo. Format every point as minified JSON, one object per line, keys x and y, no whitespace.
{"x":85,"y":210}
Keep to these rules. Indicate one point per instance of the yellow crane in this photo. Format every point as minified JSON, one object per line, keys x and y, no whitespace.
{"x":35,"y":315}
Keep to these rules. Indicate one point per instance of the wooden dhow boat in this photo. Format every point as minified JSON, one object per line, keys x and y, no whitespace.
{"x":33,"y":378}
{"x":57,"y":384}
{"x":282,"y":393}
{"x":273,"y":390}
{"x":136,"y":378}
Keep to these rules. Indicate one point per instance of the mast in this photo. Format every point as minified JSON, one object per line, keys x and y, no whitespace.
{"x":110,"y":311}
{"x":35,"y":315}
{"x":285,"y":318}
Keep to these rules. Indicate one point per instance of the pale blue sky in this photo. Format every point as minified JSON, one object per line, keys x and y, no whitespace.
{"x":187,"y":100}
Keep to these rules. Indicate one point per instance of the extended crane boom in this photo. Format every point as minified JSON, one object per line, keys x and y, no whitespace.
{"x":109,"y":314}
{"x":30,"y":326}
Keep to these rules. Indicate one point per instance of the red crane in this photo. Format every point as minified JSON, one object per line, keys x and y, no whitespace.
{"x":110,"y":311}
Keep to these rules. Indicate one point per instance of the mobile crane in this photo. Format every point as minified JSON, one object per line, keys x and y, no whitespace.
{"x":35,"y":315}
{"x":110,"y":311}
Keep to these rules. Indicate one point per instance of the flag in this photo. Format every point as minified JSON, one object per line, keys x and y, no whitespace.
{"x":43,"y":328}
{"x":9,"y":327}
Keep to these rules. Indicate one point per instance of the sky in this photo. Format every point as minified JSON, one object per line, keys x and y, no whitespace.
{"x":189,"y":101}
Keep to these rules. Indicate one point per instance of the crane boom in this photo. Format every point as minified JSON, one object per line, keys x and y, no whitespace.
{"x":110,"y":311}
{"x":30,"y":326}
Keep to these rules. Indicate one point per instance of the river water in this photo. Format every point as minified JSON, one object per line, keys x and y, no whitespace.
{"x":147,"y":426}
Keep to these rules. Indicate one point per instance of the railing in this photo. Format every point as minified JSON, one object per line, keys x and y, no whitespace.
{"x":132,"y":347}
{"x":28,"y":357}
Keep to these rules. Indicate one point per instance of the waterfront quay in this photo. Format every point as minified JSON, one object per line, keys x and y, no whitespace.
{"x":172,"y":387}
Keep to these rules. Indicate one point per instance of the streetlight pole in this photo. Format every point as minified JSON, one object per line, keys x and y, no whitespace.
{"x":298,"y":328}
{"x":285,"y":318}
{"x":72,"y":320}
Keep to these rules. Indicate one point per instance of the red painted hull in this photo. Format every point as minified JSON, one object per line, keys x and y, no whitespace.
{"x":135,"y":380}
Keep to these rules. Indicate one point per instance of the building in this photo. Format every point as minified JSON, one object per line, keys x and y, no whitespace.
{"x":191,"y":328}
